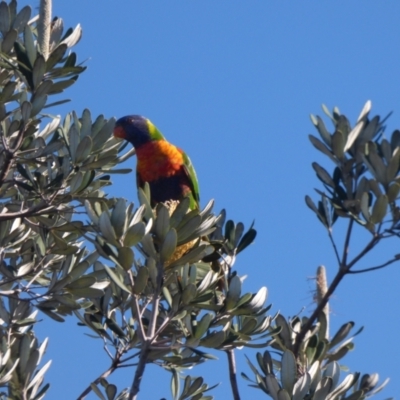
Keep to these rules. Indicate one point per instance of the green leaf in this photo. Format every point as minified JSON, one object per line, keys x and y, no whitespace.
{"x":319,"y":124}
{"x":26,"y":111}
{"x":353,"y":135}
{"x":39,"y":375}
{"x":161,"y":223}
{"x":38,"y":102}
{"x":323,"y":175}
{"x":338,"y":143}
{"x":83,"y":282}
{"x":8,"y":41}
{"x":323,"y":389}
{"x":247,"y":239}
{"x":125,"y":257}
{"x":341,"y":334}
{"x":141,"y":280}
{"x":51,"y":314}
{"x":24,"y":64}
{"x":302,"y":387}
{"x":22,"y":19}
{"x":380,"y":209}
{"x":213,"y":340}
{"x":321,"y":147}
{"x":233,"y":295}
{"x":169,"y":245}
{"x":189,"y":293}
{"x":288,"y":371}
{"x":60,"y":86}
{"x":83,"y":149}
{"x":203,"y":325}
{"x":88,"y":292}
{"x":186,"y":230}
{"x":7,"y":91}
{"x":4,"y":18}
{"x":393,"y":192}
{"x":107,"y":229}
{"x":115,"y":278}
{"x":134,"y":234}
{"x":283,"y":395}
{"x":365,"y":111}
{"x":332,"y":370}
{"x":56,"y":56}
{"x":30,"y":45}
{"x":364,"y":205}
{"x":111,"y":391}
{"x":195,"y":386}
{"x":115,"y":327}
{"x":175,"y":384}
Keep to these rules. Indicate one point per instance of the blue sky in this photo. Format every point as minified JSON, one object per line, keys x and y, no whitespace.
{"x":233,"y":83}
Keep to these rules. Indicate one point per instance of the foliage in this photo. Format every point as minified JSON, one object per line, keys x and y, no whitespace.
{"x":362,"y":189}
{"x":158,"y":281}
{"x":156,"y":285}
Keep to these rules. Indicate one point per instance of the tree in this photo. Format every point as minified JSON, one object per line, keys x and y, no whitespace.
{"x":156,"y":285}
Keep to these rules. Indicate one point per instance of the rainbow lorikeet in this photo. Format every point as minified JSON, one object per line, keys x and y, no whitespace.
{"x":166,"y":168}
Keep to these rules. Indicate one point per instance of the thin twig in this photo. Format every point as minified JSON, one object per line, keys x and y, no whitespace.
{"x":104,"y":375}
{"x":162,"y":326}
{"x":373,"y":242}
{"x":150,"y":335}
{"x":136,"y":309}
{"x":156,"y":301}
{"x":334,"y":246}
{"x":360,"y":271}
{"x":142,"y":333}
{"x":232,"y":374}
{"x":346,"y":244}
{"x":129,"y":358}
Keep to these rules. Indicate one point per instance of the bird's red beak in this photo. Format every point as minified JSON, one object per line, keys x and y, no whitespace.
{"x":119,"y":132}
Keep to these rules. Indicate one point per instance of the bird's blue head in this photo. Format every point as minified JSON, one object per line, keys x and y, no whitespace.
{"x":137,"y":130}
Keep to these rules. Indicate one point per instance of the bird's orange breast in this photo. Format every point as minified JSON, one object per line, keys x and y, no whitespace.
{"x":158,"y":159}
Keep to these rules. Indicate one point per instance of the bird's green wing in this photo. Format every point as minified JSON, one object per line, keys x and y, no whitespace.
{"x":191,"y":173}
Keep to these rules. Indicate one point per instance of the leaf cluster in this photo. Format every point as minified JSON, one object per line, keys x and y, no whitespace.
{"x":315,"y":373}
{"x":365,"y":181}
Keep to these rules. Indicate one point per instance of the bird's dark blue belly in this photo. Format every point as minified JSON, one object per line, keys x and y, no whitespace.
{"x":171,"y":188}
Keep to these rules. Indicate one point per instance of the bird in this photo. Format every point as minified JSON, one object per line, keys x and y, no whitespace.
{"x":167,"y":169}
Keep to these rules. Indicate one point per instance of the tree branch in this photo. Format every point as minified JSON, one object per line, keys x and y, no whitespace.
{"x":343,"y":270}
{"x":104,"y":375}
{"x":41,"y":208}
{"x":310,"y":322}
{"x":232,"y":374}
{"x":139,"y":371}
{"x":151,"y":331}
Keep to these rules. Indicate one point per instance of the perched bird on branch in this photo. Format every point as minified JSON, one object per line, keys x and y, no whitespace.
{"x":166,"y":168}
